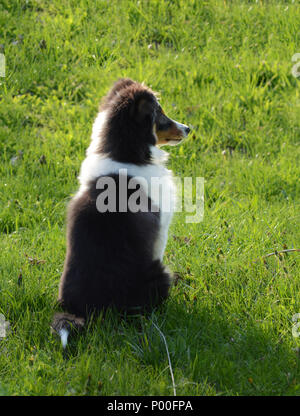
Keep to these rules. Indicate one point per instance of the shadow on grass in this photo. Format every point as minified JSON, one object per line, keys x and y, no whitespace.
{"x":234,"y":355}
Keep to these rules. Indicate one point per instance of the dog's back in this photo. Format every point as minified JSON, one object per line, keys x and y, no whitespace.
{"x":110,"y":258}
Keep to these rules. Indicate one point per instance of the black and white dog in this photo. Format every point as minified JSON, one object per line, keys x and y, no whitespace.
{"x":114,"y":257}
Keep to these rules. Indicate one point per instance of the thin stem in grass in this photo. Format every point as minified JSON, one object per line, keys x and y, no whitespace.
{"x":276,"y":253}
{"x":169,"y":359}
{"x":281,"y":252}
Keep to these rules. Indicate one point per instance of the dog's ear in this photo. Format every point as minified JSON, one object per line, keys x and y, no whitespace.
{"x":143,"y":109}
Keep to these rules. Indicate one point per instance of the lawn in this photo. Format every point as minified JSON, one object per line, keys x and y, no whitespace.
{"x":225,"y":69}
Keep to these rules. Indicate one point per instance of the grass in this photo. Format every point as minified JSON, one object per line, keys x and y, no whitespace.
{"x":224,"y":68}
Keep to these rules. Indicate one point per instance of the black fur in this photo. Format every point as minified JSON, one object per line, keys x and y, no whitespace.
{"x":132,"y":111}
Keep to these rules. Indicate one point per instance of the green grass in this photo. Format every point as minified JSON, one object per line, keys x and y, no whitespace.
{"x":223,"y":67}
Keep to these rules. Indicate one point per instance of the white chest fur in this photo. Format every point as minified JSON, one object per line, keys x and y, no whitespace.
{"x":96,"y":165}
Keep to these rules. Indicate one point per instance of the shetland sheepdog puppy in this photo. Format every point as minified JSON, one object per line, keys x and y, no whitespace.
{"x":114,"y":256}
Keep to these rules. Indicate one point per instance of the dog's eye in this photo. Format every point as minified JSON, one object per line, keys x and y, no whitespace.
{"x":163,"y":122}
{"x":163,"y":119}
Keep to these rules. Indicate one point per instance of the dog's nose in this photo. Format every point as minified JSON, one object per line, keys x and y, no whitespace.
{"x":187,"y":130}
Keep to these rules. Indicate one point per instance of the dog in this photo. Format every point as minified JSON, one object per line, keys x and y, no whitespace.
{"x":114,"y":258}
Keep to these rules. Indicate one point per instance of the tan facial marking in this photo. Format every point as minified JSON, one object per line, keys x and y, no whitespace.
{"x":173,"y":133}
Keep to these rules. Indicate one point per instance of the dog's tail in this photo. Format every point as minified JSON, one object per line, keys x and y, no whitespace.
{"x":63,"y":323}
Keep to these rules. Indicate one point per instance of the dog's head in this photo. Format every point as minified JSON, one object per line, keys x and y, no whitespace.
{"x":135,"y":121}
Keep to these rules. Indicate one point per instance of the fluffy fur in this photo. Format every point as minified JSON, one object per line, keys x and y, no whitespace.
{"x":114,"y":259}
